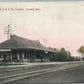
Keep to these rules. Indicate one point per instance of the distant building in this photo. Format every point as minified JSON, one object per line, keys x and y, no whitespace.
{"x":21,"y":49}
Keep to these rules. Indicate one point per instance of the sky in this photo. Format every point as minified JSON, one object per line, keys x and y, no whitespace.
{"x":55,"y":24}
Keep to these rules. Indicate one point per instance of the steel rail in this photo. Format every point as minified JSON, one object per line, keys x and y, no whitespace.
{"x":33,"y":73}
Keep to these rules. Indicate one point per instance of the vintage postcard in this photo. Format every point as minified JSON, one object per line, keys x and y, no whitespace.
{"x":42,"y":42}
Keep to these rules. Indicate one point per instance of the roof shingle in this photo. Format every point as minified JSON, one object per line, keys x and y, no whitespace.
{"x":16,"y":42}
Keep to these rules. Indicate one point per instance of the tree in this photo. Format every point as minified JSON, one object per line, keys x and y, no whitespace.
{"x":81,"y":50}
{"x":50,"y":48}
{"x":62,"y":50}
{"x":60,"y":55}
{"x":55,"y":49}
{"x":77,"y":58}
{"x":63,"y":54}
{"x":68,"y":55}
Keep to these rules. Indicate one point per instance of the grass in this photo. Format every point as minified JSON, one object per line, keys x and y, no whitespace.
{"x":10,"y":64}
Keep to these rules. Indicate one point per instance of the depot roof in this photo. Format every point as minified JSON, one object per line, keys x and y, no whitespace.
{"x":16,"y":42}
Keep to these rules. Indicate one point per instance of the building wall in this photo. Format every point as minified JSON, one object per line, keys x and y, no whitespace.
{"x":25,"y":56}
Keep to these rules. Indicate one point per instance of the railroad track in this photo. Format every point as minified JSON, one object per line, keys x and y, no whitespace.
{"x":6,"y":72}
{"x":29,"y":74}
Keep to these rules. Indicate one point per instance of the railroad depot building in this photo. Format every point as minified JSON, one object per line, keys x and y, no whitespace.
{"x":25,"y":50}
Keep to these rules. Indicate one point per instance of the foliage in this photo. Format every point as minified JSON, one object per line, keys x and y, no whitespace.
{"x":11,"y":64}
{"x":77,"y":58}
{"x":81,"y":50}
{"x":55,"y":49}
{"x":62,"y":56}
{"x":50,"y":48}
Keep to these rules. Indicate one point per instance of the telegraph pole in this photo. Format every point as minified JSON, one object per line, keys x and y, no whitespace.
{"x":8,"y":31}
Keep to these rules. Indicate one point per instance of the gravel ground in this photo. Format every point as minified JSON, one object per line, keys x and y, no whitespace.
{"x":75,"y":75}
